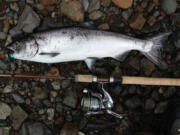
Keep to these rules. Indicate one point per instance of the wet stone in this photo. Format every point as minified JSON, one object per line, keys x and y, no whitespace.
{"x":95,"y":15}
{"x":8,"y":89}
{"x":18,"y":116}
{"x":39,"y":93}
{"x":149,"y":104}
{"x":5,"y":130}
{"x":116,"y":90}
{"x":93,"y":5}
{"x":19,"y":99}
{"x":70,"y":98}
{"x":50,"y":113}
{"x":148,"y":66}
{"x":59,"y":107}
{"x":35,"y":128}
{"x":123,"y":3}
{"x":169,"y":92}
{"x":5,"y":110}
{"x":133,"y":102}
{"x":56,"y":85}
{"x":65,"y":83}
{"x":132,"y":90}
{"x":160,"y":107}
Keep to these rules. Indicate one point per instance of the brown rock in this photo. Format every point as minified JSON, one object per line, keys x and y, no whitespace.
{"x":48,"y":2}
{"x":156,"y":2}
{"x":144,"y":4}
{"x":151,"y":7}
{"x":139,"y":8}
{"x":69,"y":129}
{"x":148,"y":66}
{"x":73,"y":9}
{"x":123,"y":3}
{"x":151,"y":21}
{"x":105,"y":3}
{"x":103,"y":26}
{"x":137,"y":22}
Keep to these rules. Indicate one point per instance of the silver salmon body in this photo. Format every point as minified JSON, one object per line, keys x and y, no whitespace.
{"x":76,"y":44}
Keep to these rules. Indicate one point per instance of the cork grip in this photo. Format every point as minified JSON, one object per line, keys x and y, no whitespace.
{"x":150,"y":81}
{"x":84,"y":78}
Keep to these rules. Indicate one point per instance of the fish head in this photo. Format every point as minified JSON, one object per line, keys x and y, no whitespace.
{"x":23,"y":49}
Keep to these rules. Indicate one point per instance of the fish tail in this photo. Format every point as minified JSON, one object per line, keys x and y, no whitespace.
{"x":155,"y":52}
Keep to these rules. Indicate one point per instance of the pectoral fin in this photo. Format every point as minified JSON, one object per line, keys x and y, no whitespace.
{"x":90,"y":63}
{"x":49,"y":54}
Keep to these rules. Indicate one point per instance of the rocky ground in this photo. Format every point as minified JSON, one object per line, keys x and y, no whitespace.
{"x":50,"y":107}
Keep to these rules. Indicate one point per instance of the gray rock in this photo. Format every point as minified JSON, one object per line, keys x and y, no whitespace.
{"x":56,"y":85}
{"x":16,"y":31}
{"x":5,"y":110}
{"x":160,"y":107}
{"x":59,"y":107}
{"x":8,"y":89}
{"x":155,"y":95}
{"x":3,"y":35}
{"x":70,"y":98}
{"x":149,"y":104}
{"x":65,"y":83}
{"x":132,"y":89}
{"x":14,"y":8}
{"x":28,"y":20}
{"x":133,"y":102}
{"x":96,"y":15}
{"x":169,"y":92}
{"x":50,"y":113}
{"x":169,"y":6}
{"x":5,"y":130}
{"x":18,"y":117}
{"x":127,"y":13}
{"x":39,"y":93}
{"x":116,"y":91}
{"x":47,"y":103}
{"x":30,"y":2}
{"x":3,"y":65}
{"x":35,"y":128}
{"x":69,"y":117}
{"x":18,"y":98}
{"x":94,"y":5}
{"x":85,"y":4}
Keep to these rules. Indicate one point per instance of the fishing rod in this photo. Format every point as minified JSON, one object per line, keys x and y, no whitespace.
{"x":94,"y":79}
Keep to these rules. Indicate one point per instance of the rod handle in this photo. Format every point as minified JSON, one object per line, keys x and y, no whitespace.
{"x":150,"y":81}
{"x":84,"y":78}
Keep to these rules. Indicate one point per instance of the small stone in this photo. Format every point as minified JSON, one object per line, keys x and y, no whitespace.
{"x":59,"y":107}
{"x":160,"y":107}
{"x":56,"y":85}
{"x":137,"y":22}
{"x":19,"y":99}
{"x":134,"y":63}
{"x":149,"y":104}
{"x":127,"y":13}
{"x":169,"y":92}
{"x":132,"y":90}
{"x":5,"y":130}
{"x":18,"y":116}
{"x":144,"y":4}
{"x":14,"y":7}
{"x":8,"y":89}
{"x":123,"y":3}
{"x":48,"y":2}
{"x":148,"y":66}
{"x":53,"y":71}
{"x":3,"y":35}
{"x":155,"y":95}
{"x":5,"y":110}
{"x":105,"y":3}
{"x":65,"y":83}
{"x":151,"y":21}
{"x":151,"y":7}
{"x":133,"y":102}
{"x":53,"y":95}
{"x":35,"y":128}
{"x":119,"y":109}
{"x":161,"y":91}
{"x":156,"y":14}
{"x":73,"y":9}
{"x":103,"y":26}
{"x":85,"y":4}
{"x":39,"y":93}
{"x":96,"y":15}
{"x":50,"y":113}
{"x":116,"y":91}
{"x":70,"y":98}
{"x":94,"y":5}
{"x":69,"y":129}
{"x":47,"y":103}
{"x":169,"y":6}
{"x":28,"y":20}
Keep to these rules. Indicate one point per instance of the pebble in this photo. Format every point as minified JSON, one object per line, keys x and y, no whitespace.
{"x":3,"y":35}
{"x":39,"y":93}
{"x":85,"y":4}
{"x":70,"y":98}
{"x":132,"y":89}
{"x":65,"y":83}
{"x":151,"y":21}
{"x":28,"y":20}
{"x":5,"y":130}
{"x":53,"y":95}
{"x":94,"y":5}
{"x":104,"y":26}
{"x":14,"y":7}
{"x":119,"y":108}
{"x":116,"y":90}
{"x":134,"y":63}
{"x":18,"y":117}
{"x":127,"y":13}
{"x":59,"y":107}
{"x":149,"y":104}
{"x":123,"y":3}
{"x":96,"y":15}
{"x":35,"y":128}
{"x":155,"y":95}
{"x":56,"y":85}
{"x":18,"y":98}
{"x":5,"y":110}
{"x":8,"y":89}
{"x":50,"y":113}
{"x":137,"y":22}
{"x":148,"y":66}
{"x":73,"y":9}
{"x":160,"y":107}
{"x":105,"y":3}
{"x":3,"y":65}
{"x":133,"y":102}
{"x":169,"y":6}
{"x":48,"y":2}
{"x":47,"y":103}
{"x":169,"y":92}
{"x":69,"y":129}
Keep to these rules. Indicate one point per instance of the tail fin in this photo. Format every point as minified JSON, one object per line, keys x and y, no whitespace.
{"x":155,"y":53}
